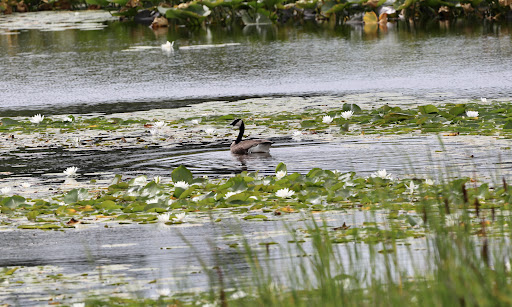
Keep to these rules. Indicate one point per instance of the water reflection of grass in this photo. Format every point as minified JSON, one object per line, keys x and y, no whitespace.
{"x":466,"y":262}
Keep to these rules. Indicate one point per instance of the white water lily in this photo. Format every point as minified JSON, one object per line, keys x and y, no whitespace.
{"x":411,"y":187}
{"x":297,"y":135}
{"x":168,"y":46}
{"x":484,"y":100}
{"x":327,"y":119}
{"x":36,"y":119}
{"x":157,"y":179}
{"x":195,"y":121}
{"x":26,"y":184}
{"x":71,"y":171}
{"x":209,"y":131}
{"x":429,"y":181}
{"x":68,"y":119}
{"x":141,"y":180}
{"x":472,"y":114}
{"x":347,"y":114}
{"x":163,"y":292}
{"x":382,"y":174}
{"x":180,"y":217}
{"x":280,"y":174}
{"x":154,"y":131}
{"x":284,"y":193}
{"x":164,"y":218}
{"x":159,"y":124}
{"x":238,"y":295}
{"x":5,"y":190}
{"x":152,"y":201}
{"x":181,"y":184}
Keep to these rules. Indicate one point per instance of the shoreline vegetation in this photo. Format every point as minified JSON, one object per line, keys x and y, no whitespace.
{"x":333,"y":12}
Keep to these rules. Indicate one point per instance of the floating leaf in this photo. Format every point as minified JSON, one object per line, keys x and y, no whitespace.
{"x":428,"y":109}
{"x":13,"y":201}
{"x":370,"y":18}
{"x":75,"y":195}
{"x":9,"y":122}
{"x":181,"y":173}
{"x":457,"y":110}
{"x":257,"y":216}
{"x":281,"y":167}
{"x":508,"y":125}
{"x":351,"y":107}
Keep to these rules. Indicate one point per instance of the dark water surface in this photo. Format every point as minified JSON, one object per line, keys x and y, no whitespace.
{"x":403,"y":156}
{"x":75,"y":71}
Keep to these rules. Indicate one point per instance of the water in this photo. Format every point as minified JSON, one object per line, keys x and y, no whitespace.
{"x":77,"y":71}
{"x":83,"y":67}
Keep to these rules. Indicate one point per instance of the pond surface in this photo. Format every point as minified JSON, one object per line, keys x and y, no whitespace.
{"x":84,"y":64}
{"x":122,"y":68}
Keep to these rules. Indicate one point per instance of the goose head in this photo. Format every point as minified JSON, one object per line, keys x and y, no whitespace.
{"x":237,"y":123}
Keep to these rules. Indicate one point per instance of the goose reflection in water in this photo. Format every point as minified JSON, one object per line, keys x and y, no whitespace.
{"x":248,"y":159}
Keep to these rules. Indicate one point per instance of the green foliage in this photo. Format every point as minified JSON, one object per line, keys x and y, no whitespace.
{"x":181,"y":173}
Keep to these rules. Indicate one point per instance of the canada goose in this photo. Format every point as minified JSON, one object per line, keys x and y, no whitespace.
{"x":240,"y":147}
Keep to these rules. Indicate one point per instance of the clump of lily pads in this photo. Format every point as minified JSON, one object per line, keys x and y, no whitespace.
{"x":250,"y":197}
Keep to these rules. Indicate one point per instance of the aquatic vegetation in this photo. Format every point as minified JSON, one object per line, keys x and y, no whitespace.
{"x":347,"y":114}
{"x":284,"y":193}
{"x":71,"y":171}
{"x":473,"y":114}
{"x":36,"y":119}
{"x":327,"y":119}
{"x":383,"y":174}
{"x":168,"y":47}
{"x":5,"y":190}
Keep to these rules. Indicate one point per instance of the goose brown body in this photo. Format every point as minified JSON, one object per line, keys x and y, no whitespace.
{"x":240,"y":147}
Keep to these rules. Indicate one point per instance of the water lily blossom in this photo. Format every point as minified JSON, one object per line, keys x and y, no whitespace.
{"x":164,"y":218}
{"x":71,"y":171}
{"x":280,"y":174}
{"x":411,"y":187}
{"x":195,"y":121}
{"x":141,"y":180}
{"x":169,"y":46}
{"x":36,"y":119}
{"x":284,"y":193}
{"x":180,"y":217}
{"x":327,"y":119}
{"x":5,"y":190}
{"x":472,"y":114}
{"x":484,"y":100}
{"x":159,"y":124}
{"x":164,"y":292}
{"x":382,"y":174}
{"x":347,"y":114}
{"x":68,"y":119}
{"x":209,"y":131}
{"x":429,"y":181}
{"x":181,"y":184}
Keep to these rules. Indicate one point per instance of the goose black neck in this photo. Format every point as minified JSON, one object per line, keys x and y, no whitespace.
{"x":240,"y":134}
